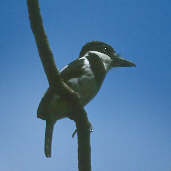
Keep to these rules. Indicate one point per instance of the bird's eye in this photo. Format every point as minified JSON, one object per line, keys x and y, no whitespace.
{"x":105,"y":49}
{"x":108,"y":51}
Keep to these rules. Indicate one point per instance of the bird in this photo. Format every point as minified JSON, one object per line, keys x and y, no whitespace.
{"x":85,"y":76}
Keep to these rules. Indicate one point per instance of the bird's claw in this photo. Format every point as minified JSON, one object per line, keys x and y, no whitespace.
{"x":90,"y":129}
{"x":73,"y":134}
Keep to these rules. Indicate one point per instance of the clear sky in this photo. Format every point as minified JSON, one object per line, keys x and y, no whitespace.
{"x":131,"y":114}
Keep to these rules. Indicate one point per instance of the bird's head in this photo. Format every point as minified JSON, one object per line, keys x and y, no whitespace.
{"x":107,"y":53}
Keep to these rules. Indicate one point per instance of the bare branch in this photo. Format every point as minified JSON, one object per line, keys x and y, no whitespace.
{"x":79,"y":115}
{"x":45,"y":52}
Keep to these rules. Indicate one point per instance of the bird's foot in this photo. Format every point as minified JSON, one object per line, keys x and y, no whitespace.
{"x":73,"y":134}
{"x":90,"y":129}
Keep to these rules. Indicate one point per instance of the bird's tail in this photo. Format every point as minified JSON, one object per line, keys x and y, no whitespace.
{"x":48,"y":138}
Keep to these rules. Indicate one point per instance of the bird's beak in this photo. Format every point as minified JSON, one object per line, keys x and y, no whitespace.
{"x":120,"y":62}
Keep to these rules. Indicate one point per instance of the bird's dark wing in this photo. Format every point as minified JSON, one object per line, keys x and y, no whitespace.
{"x":73,"y":70}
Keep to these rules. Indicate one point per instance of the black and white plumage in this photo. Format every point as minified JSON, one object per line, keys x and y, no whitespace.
{"x":85,"y":75}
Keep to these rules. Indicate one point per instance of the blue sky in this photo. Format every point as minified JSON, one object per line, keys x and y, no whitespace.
{"x":131,"y":113}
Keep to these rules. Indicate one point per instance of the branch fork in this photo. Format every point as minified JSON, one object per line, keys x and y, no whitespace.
{"x":79,"y":115}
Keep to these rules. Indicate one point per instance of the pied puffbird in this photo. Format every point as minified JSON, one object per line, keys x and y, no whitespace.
{"x":85,"y":76}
